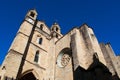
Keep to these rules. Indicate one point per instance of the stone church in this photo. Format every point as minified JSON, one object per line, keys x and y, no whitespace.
{"x":42,"y":53}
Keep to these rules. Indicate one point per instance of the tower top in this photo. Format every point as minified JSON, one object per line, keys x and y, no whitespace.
{"x":55,"y":27}
{"x":55,"y":30}
{"x":32,"y":14}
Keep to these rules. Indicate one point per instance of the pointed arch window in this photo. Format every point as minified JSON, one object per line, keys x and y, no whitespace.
{"x":32,"y":14}
{"x":36,"y":57}
{"x":56,"y":29}
{"x":39,"y":40}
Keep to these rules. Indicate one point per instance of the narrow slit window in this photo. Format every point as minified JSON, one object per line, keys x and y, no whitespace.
{"x":40,"y":40}
{"x":56,"y":29}
{"x":36,"y":57}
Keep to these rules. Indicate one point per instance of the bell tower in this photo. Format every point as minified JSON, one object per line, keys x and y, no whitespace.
{"x":31,"y":16}
{"x":55,"y":31}
{"x":42,"y":53}
{"x":16,"y":55}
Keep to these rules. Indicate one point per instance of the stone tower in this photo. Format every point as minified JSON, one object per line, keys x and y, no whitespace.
{"x":40,"y":53}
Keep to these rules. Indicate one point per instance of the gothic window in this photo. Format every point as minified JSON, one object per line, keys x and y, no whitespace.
{"x":64,"y":57}
{"x":39,"y":40}
{"x":56,"y":29}
{"x":41,"y":27}
{"x":32,"y":14}
{"x":36,"y":57}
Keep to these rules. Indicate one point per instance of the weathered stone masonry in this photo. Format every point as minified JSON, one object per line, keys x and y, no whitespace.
{"x":42,"y":53}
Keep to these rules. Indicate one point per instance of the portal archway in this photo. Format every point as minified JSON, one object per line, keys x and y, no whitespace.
{"x":28,"y":76}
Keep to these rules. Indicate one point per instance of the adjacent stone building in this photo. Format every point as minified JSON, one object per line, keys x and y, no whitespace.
{"x":40,"y":53}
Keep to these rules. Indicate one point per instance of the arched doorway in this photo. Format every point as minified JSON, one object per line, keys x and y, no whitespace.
{"x":28,"y":76}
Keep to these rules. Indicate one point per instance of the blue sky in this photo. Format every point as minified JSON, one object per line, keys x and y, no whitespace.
{"x":102,"y":15}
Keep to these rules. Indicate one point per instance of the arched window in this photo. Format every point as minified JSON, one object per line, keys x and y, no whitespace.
{"x":36,"y":57}
{"x":40,"y":40}
{"x":41,"y":27}
{"x":32,"y":14}
{"x":56,"y":29}
{"x":64,"y":57}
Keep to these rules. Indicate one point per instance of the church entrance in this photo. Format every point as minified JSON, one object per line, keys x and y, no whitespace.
{"x":28,"y":76}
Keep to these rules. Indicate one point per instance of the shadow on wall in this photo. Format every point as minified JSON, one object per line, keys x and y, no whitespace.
{"x":96,"y":71}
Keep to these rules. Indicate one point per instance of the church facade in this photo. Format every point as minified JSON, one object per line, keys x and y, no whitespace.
{"x":40,"y":53}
